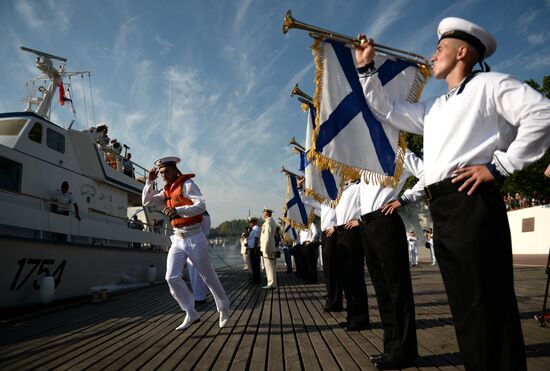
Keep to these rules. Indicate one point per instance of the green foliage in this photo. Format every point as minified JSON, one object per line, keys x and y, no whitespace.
{"x":531,"y":179}
{"x":230,"y":228}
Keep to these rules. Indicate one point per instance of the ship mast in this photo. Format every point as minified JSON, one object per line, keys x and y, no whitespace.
{"x":44,"y":64}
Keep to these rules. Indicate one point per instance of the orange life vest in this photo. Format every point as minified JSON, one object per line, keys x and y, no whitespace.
{"x":173,"y":197}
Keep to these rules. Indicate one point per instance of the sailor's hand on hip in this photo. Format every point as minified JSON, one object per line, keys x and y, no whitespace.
{"x":170,"y":212}
{"x":352,"y":224}
{"x":473,"y":177}
{"x":364,"y":53}
{"x":390,"y":207}
{"x":330,"y":231}
{"x":153,"y":173}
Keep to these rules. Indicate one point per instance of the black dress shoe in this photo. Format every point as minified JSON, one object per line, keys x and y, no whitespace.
{"x":384,"y":363}
{"x":376,"y":357}
{"x":357,"y":327}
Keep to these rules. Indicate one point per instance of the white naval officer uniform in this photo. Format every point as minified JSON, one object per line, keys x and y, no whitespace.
{"x":188,"y":242}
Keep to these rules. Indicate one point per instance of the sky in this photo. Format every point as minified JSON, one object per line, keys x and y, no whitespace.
{"x":209,"y":81}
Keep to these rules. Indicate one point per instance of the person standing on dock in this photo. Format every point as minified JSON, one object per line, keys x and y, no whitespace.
{"x":184,"y":204}
{"x":269,"y":249}
{"x":484,"y":128}
{"x":386,"y":253}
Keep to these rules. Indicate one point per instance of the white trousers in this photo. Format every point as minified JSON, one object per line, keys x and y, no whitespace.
{"x":413,"y":254}
{"x":198,"y":286}
{"x":270,"y":271}
{"x":195,"y":248}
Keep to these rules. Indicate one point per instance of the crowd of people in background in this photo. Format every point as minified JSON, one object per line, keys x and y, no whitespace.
{"x":518,"y":201}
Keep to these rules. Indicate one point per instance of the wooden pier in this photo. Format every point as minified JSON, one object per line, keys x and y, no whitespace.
{"x":283,"y":329}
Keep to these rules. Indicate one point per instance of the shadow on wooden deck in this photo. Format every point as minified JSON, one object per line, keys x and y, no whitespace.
{"x":275,"y":329}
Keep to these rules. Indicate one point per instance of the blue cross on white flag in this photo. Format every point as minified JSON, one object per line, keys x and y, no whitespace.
{"x":320,"y":184}
{"x":295,"y":212}
{"x":290,"y":233}
{"x":347,"y":136}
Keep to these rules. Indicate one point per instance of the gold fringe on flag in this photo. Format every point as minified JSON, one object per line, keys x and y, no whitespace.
{"x":347,"y":171}
{"x":294,"y":224}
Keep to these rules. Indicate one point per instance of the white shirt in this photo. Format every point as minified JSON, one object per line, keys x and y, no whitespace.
{"x":326,"y":213}
{"x":495,"y":119}
{"x":308,"y":235}
{"x":373,"y":197}
{"x":65,"y":200}
{"x":254,"y":233}
{"x":152,"y":197}
{"x":349,"y":206}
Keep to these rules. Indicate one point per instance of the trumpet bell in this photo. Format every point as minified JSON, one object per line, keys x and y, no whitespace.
{"x":297,"y":91}
{"x":288,"y":21}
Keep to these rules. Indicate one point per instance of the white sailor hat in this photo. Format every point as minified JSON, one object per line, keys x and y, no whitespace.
{"x":166,"y":161}
{"x":268,"y":210}
{"x":477,"y":36}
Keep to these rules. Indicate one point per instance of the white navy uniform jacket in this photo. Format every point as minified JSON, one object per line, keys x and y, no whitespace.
{"x":373,"y":197}
{"x":496,"y":120}
{"x":267,"y":237}
{"x":152,"y":197}
{"x":349,"y":206}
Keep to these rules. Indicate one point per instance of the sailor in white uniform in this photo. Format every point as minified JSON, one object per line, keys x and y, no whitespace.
{"x":386,"y":253}
{"x":199,"y":288}
{"x":487,"y":126}
{"x":351,"y":258}
{"x":329,"y":251}
{"x":184,"y":204}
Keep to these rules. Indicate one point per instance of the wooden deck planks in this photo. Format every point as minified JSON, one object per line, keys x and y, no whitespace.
{"x":269,"y":329}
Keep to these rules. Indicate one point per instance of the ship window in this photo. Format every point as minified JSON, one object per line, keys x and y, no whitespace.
{"x":11,"y":175}
{"x":35,"y":134}
{"x":11,"y":127}
{"x":55,"y":140}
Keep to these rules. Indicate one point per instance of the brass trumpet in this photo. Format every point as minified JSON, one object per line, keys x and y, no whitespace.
{"x":297,"y":145}
{"x":289,"y":173}
{"x":296,"y":91}
{"x":317,"y":32}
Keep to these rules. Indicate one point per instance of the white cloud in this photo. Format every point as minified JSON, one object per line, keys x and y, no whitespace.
{"x":165,"y":45}
{"x":538,"y":38}
{"x":39,"y":18}
{"x":525,"y":21}
{"x":387,"y":17}
{"x":32,"y":18}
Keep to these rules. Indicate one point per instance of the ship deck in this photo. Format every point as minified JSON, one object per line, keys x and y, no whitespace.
{"x":282,"y":329}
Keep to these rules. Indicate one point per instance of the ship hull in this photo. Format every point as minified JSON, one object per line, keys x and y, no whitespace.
{"x":78,"y":270}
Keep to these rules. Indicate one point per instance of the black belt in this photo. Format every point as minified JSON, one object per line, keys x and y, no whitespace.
{"x":441,"y":188}
{"x":372,"y":216}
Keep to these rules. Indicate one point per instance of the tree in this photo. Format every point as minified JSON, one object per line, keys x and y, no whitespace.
{"x":531,"y":179}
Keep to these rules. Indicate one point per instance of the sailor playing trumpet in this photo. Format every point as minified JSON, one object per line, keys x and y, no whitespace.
{"x":184,"y":205}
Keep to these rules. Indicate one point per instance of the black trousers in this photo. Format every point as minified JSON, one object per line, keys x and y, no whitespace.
{"x":288,"y":260}
{"x":299,"y":260}
{"x":387,"y":255}
{"x":254,"y":257}
{"x":310,"y":252}
{"x":474,"y":251}
{"x":352,"y":269}
{"x":333,"y":285}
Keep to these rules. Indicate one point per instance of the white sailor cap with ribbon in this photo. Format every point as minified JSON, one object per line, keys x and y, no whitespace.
{"x":477,"y":36}
{"x":167,"y":161}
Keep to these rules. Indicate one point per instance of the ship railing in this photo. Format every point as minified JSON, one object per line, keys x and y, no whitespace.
{"x":43,"y":228}
{"x":114,"y":159}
